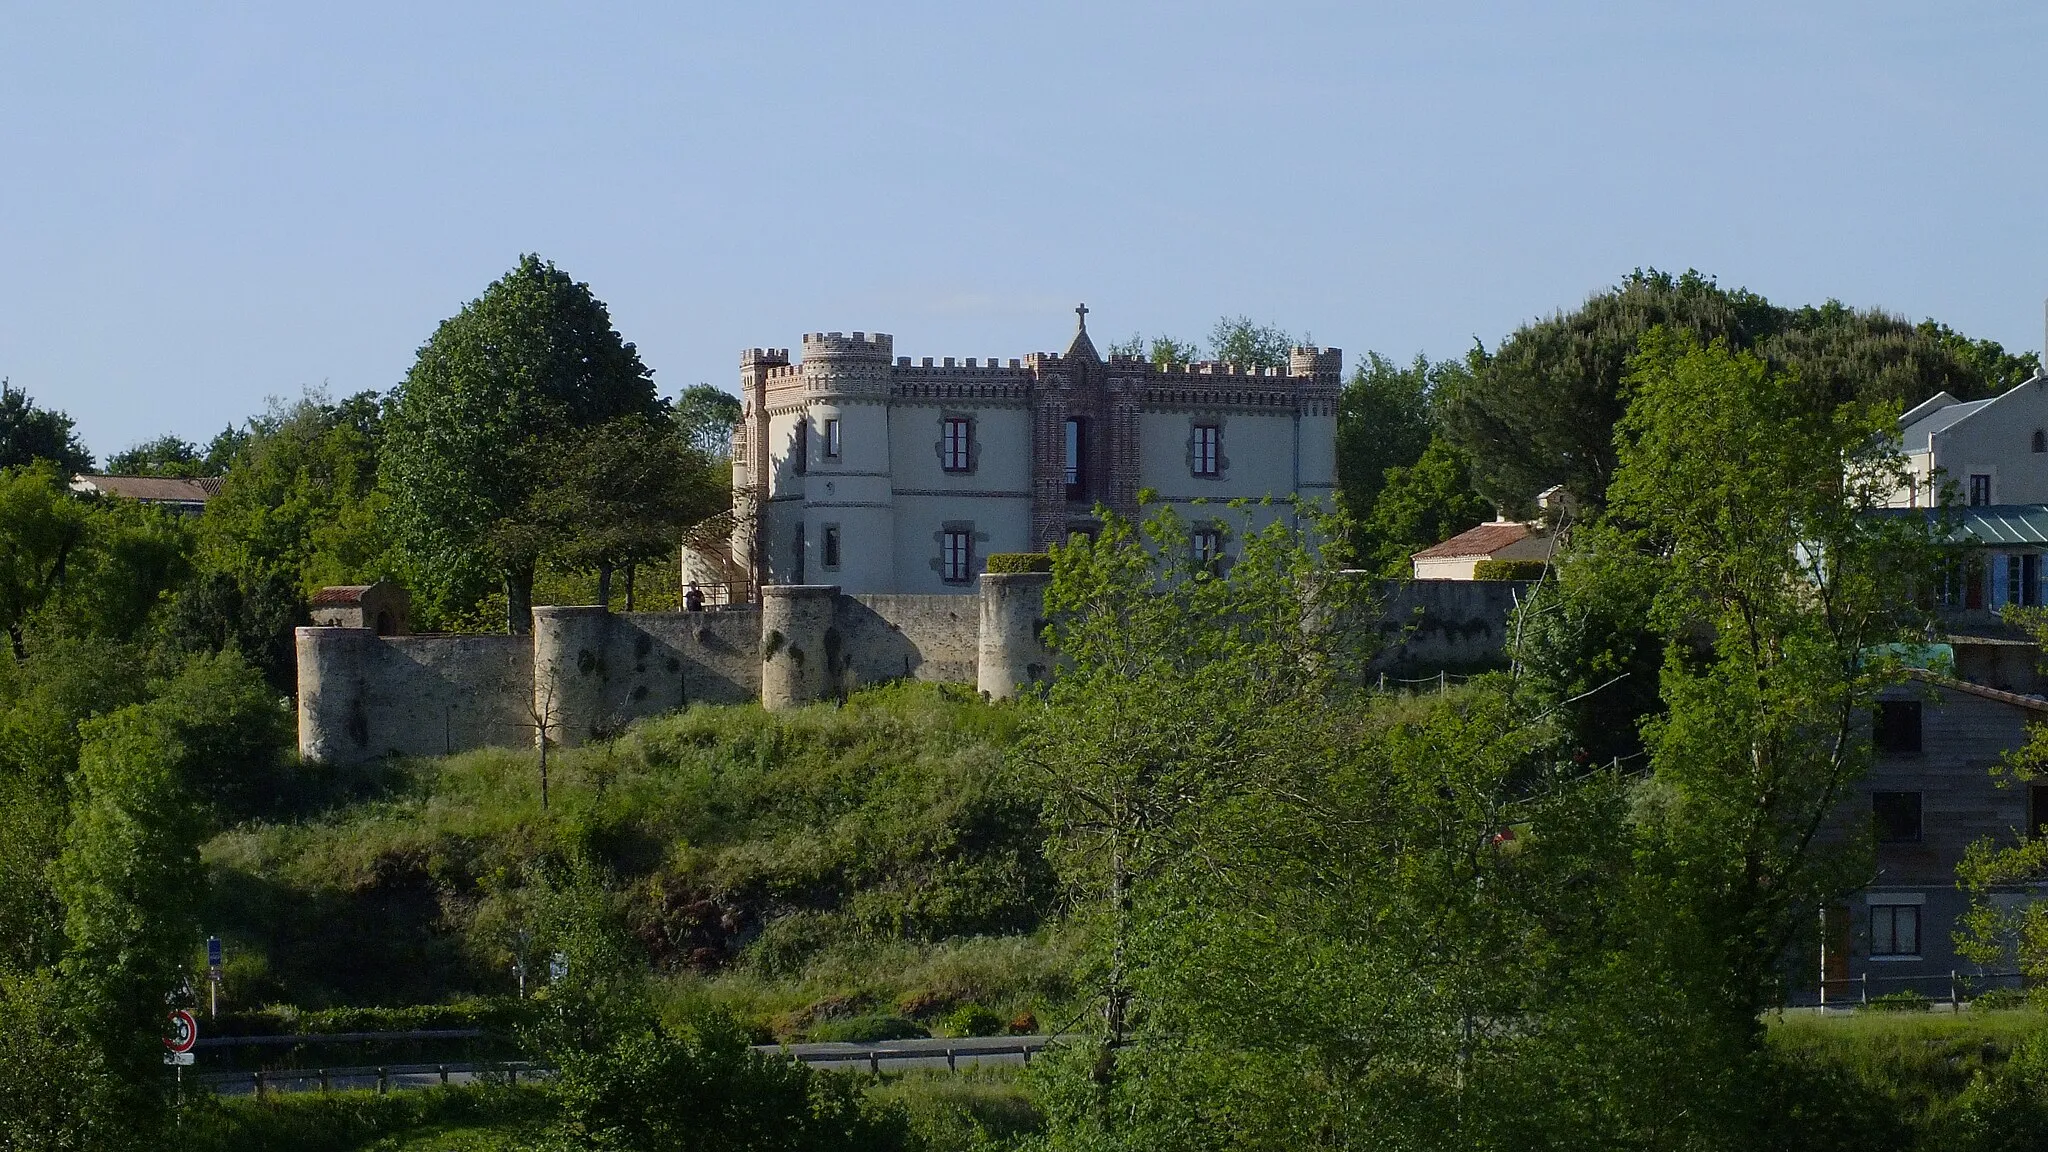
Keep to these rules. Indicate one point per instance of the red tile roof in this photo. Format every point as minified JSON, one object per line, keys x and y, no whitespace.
{"x":1484,"y":540}
{"x":339,"y":594}
{"x":152,"y":489}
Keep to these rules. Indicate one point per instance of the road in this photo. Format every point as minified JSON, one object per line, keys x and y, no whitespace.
{"x":936,"y":1055}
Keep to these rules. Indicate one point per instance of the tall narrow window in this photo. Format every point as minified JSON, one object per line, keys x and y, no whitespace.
{"x":831,"y":545}
{"x":2040,"y":440}
{"x":1208,"y":545}
{"x":1980,"y":489}
{"x":957,"y":556}
{"x":796,"y":568}
{"x":832,"y":438}
{"x":956,"y":450}
{"x":1208,"y":455}
{"x":1897,"y":815}
{"x":1897,"y":726}
{"x":1076,"y":437}
{"x":1894,"y":929}
{"x":800,"y":452}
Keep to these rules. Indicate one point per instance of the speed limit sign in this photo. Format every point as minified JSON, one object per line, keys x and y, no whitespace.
{"x":184,"y":1032}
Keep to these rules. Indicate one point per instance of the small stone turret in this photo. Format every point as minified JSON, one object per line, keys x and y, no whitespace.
{"x":1011,"y":650}
{"x":1323,"y":365}
{"x":334,"y":686}
{"x":799,"y":644}
{"x":569,"y":670}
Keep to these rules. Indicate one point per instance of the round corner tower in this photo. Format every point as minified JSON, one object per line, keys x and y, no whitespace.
{"x":1011,"y":647}
{"x":334,"y":709}
{"x":839,"y":441}
{"x":799,"y":644}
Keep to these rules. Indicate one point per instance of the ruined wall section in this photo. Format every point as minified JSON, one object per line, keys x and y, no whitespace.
{"x":909,"y":637}
{"x":592,"y":672}
{"x":1433,"y":625}
{"x":362,"y":696}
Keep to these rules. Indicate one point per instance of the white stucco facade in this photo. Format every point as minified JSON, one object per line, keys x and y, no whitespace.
{"x":1991,"y":451}
{"x":885,"y":476}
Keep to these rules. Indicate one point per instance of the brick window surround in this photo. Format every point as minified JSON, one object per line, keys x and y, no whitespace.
{"x":1206,"y":457}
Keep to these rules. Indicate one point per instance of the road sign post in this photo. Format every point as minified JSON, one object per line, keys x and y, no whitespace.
{"x":178,"y":1044}
{"x":212,"y":977}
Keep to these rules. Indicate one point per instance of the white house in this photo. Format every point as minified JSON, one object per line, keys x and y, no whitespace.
{"x":1994,"y":451}
{"x":857,"y":467}
{"x":1458,"y":558}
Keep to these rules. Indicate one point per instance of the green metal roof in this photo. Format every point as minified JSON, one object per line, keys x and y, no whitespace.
{"x":1993,"y":525}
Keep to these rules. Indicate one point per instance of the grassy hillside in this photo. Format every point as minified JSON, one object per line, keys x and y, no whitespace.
{"x":878,"y":858}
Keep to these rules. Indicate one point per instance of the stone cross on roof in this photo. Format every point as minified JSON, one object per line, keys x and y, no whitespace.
{"x":1081,"y":310}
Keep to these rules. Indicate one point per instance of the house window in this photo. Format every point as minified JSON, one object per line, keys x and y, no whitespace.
{"x":1076,"y":441}
{"x":1894,"y":929}
{"x":1980,"y":489}
{"x":2040,"y":440}
{"x":796,"y":569}
{"x":1897,"y":815}
{"x":956,"y":555}
{"x":2037,"y":809}
{"x":832,"y":438}
{"x":1897,"y":726}
{"x":800,"y":455}
{"x":1208,"y":545}
{"x":831,"y":545}
{"x":956,"y":450}
{"x":2023,"y":579}
{"x":1208,"y":458}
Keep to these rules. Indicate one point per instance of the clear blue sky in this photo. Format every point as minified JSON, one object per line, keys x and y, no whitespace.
{"x":202,"y":206}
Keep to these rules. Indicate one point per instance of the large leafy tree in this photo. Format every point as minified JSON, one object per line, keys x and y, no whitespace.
{"x":534,"y":359}
{"x":617,"y":496}
{"x":29,"y":433}
{"x":1418,"y":505}
{"x":1541,"y":410}
{"x":706,"y":417}
{"x":42,"y":531}
{"x":1742,"y":502}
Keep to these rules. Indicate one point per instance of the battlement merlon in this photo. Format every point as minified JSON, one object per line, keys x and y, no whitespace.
{"x":764,"y":358}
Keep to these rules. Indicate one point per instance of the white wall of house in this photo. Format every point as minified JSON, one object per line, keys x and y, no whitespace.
{"x":1996,"y":441}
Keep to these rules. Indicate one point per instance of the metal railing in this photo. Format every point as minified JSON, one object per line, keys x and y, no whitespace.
{"x":1961,"y":987}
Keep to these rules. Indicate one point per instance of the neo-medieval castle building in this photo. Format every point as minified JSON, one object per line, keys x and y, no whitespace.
{"x":857,"y":468}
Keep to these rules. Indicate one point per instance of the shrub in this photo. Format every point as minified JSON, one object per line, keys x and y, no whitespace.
{"x":1006,"y":563}
{"x":972,"y":1020}
{"x":1509,"y":570}
{"x":1999,"y":1000}
{"x":870,"y":1030}
{"x":1902,"y":1001}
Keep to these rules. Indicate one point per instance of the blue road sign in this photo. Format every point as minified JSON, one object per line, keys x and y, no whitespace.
{"x":213,"y":952}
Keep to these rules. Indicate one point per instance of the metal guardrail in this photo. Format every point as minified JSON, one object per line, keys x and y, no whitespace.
{"x":386,"y":1077}
{"x":338,"y":1038}
{"x":1962,"y":986}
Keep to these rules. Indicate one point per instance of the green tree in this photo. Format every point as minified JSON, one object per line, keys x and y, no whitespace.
{"x":1541,"y":410}
{"x":1419,"y":505}
{"x":707,"y":416}
{"x":41,"y":530}
{"x":616,"y":496}
{"x":1383,"y":421}
{"x":1237,"y":340}
{"x":1175,"y":671}
{"x":29,"y":433}
{"x":167,"y":455}
{"x":535,"y":357}
{"x":630,"y":1081}
{"x":1161,"y":350}
{"x":299,"y":500}
{"x":1745,"y":501}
